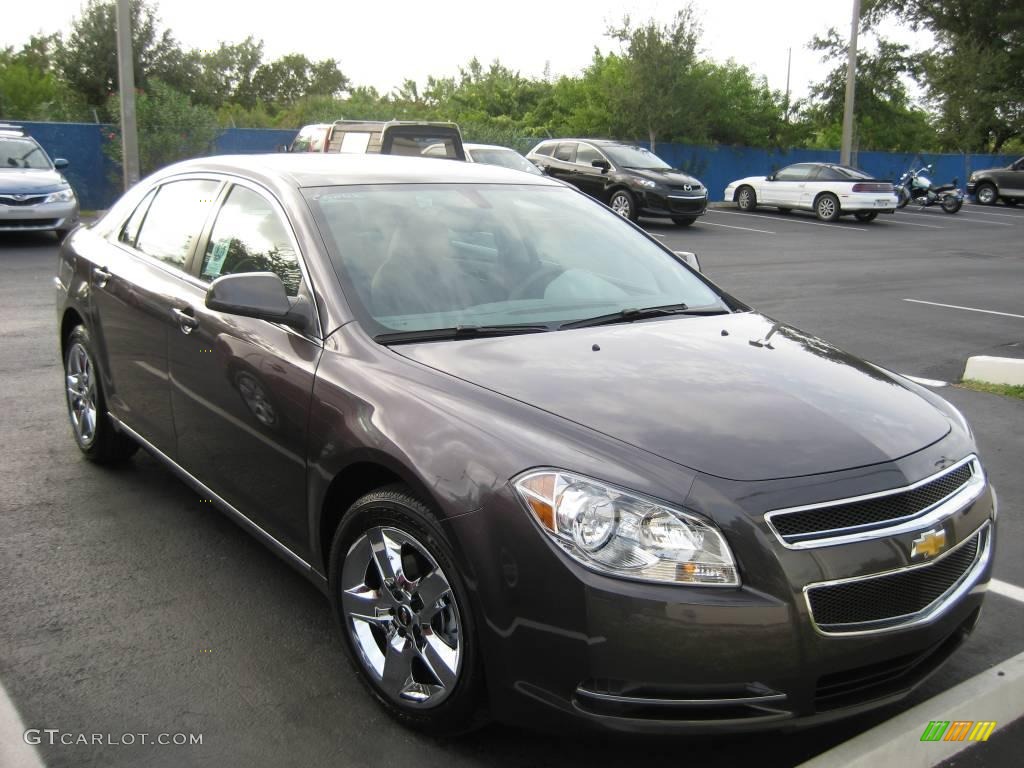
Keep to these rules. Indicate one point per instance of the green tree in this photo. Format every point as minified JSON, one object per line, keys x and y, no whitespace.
{"x":171,"y":128}
{"x":885,"y":118}
{"x":87,"y":59}
{"x":974,"y":74}
{"x":291,"y":77}
{"x":31,"y":90}
{"x":659,"y":61}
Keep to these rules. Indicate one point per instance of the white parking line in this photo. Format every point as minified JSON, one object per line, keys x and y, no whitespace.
{"x":909,"y":223}
{"x":842,"y":228}
{"x":966,"y":309}
{"x":960,"y":217}
{"x":727,"y":226}
{"x":990,"y":213}
{"x":1006,"y":590}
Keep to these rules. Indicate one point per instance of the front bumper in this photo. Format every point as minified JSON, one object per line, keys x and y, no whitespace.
{"x":657,"y":202}
{"x":566,"y":646}
{"x":972,"y":187}
{"x":39,"y":217}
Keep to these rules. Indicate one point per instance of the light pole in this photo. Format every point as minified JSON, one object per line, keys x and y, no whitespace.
{"x":851,"y":85}
{"x":126,"y":87}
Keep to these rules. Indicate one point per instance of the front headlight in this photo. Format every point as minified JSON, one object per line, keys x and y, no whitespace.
{"x":619,"y":533}
{"x":645,"y":183}
{"x":60,"y":196}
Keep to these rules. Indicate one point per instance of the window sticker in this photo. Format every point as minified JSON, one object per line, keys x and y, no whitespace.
{"x":216,"y":262}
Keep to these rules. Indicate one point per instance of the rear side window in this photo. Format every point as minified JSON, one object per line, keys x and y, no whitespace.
{"x":566,"y":151}
{"x":249,"y":236}
{"x":175,"y":219}
{"x":130,"y":231}
{"x":544,"y":149}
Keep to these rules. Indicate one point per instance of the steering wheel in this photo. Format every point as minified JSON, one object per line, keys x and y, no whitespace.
{"x":544,"y":274}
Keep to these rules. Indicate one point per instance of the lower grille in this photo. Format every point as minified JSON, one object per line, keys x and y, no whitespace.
{"x":686,"y":204}
{"x":28,"y":223}
{"x":895,"y":598}
{"x":616,"y":699}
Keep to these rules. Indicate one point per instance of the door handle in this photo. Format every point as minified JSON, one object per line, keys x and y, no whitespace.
{"x":186,"y":321}
{"x":100,"y":277}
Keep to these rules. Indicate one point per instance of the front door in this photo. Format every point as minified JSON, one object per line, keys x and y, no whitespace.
{"x":241,"y":387}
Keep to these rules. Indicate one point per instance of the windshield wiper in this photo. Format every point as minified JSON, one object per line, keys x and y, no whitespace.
{"x":457,"y":332}
{"x":631,"y":314}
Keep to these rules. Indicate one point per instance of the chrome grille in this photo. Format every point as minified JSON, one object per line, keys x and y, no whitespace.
{"x":895,"y":598}
{"x":28,"y":200}
{"x":836,"y":521}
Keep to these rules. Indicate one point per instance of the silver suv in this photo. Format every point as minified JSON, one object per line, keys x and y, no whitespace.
{"x":34,"y":195}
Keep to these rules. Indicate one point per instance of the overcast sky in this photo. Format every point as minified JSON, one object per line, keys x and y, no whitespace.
{"x":381,"y":43}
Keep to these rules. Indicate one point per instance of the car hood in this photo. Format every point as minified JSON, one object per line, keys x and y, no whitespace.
{"x":669,"y":176}
{"x":748,"y":180}
{"x":736,"y":396}
{"x":29,"y":180}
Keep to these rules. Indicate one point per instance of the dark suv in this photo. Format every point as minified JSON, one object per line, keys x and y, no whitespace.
{"x":993,"y":184}
{"x":631,"y":180}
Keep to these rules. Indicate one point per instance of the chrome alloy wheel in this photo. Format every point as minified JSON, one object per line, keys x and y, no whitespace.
{"x":401,"y":615}
{"x":621,"y":205}
{"x":986,"y":195}
{"x":745,"y":201}
{"x":80,"y":379}
{"x":826,"y":208}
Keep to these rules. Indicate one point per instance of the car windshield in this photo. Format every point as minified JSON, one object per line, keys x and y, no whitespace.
{"x":634,"y":157}
{"x":22,"y":153}
{"x":416,"y":257}
{"x":506,"y":158}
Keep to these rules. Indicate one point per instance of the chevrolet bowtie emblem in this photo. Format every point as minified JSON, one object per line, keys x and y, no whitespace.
{"x":929,"y":545}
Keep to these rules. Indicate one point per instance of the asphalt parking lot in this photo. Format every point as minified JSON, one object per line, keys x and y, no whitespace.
{"x":127,"y":606}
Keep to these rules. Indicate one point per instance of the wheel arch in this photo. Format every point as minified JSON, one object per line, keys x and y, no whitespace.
{"x":68,"y":321}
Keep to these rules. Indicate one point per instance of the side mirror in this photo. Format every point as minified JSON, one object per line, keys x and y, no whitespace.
{"x":929,"y":167}
{"x":60,"y":162}
{"x":770,"y":177}
{"x":690,"y":258}
{"x":256,"y":294}
{"x":604,"y":165}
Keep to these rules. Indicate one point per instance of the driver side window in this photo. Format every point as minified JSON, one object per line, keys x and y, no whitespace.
{"x":249,"y":236}
{"x":586,"y":154}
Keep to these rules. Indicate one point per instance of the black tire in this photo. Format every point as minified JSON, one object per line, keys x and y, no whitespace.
{"x":683,"y":221}
{"x":952,"y":204}
{"x":102,"y":442}
{"x":826,"y":207}
{"x":746,"y":198}
{"x":61,"y":234}
{"x":866,"y":215}
{"x":785,"y":210}
{"x":986,"y":194}
{"x":394,"y":509}
{"x":903,"y":198}
{"x":624,"y":204}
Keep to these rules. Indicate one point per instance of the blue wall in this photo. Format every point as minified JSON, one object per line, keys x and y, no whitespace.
{"x":97,"y":180}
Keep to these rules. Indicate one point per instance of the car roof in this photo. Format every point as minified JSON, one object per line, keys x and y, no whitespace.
{"x":488,"y":146}
{"x":596,"y":142}
{"x":321,"y":170}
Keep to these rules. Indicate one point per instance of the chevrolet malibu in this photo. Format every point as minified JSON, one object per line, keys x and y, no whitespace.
{"x":541,"y":468}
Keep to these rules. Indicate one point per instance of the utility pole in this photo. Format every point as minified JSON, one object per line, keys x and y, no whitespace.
{"x":126,"y":86}
{"x":851,"y":85}
{"x":789,"y":64}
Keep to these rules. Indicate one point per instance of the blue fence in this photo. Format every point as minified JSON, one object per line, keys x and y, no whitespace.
{"x":96,"y":179}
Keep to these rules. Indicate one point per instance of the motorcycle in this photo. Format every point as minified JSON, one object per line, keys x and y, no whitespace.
{"x":917,"y":187}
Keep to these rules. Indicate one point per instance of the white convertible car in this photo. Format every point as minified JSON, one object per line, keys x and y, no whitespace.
{"x":827,"y":189}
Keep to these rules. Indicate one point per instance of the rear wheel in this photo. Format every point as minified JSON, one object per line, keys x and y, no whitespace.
{"x":95,"y":434}
{"x":951,"y":204}
{"x":866,"y":215}
{"x":904,"y":198}
{"x":746,"y":199}
{"x":405,"y":614}
{"x":622,"y":203}
{"x":684,"y":221}
{"x":826,"y":207}
{"x":986,"y":194}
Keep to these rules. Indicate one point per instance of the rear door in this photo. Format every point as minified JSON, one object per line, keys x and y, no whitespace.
{"x":562,"y":165}
{"x":241,"y":387}
{"x":136,"y":282}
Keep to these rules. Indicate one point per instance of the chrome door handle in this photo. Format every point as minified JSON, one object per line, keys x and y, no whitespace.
{"x":186,"y":322}
{"x":100,"y":277}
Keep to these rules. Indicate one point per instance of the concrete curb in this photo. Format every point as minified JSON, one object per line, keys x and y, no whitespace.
{"x":995,"y":370}
{"x":997,"y":694}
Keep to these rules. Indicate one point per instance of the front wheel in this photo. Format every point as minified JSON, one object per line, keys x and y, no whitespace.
{"x":826,"y":207}
{"x":746,"y":199}
{"x":405,"y":613}
{"x":952,"y":204}
{"x":95,"y":434}
{"x":623,"y":203}
{"x":904,"y":198}
{"x":986,"y":194}
{"x":866,"y":215}
{"x":683,"y":221}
